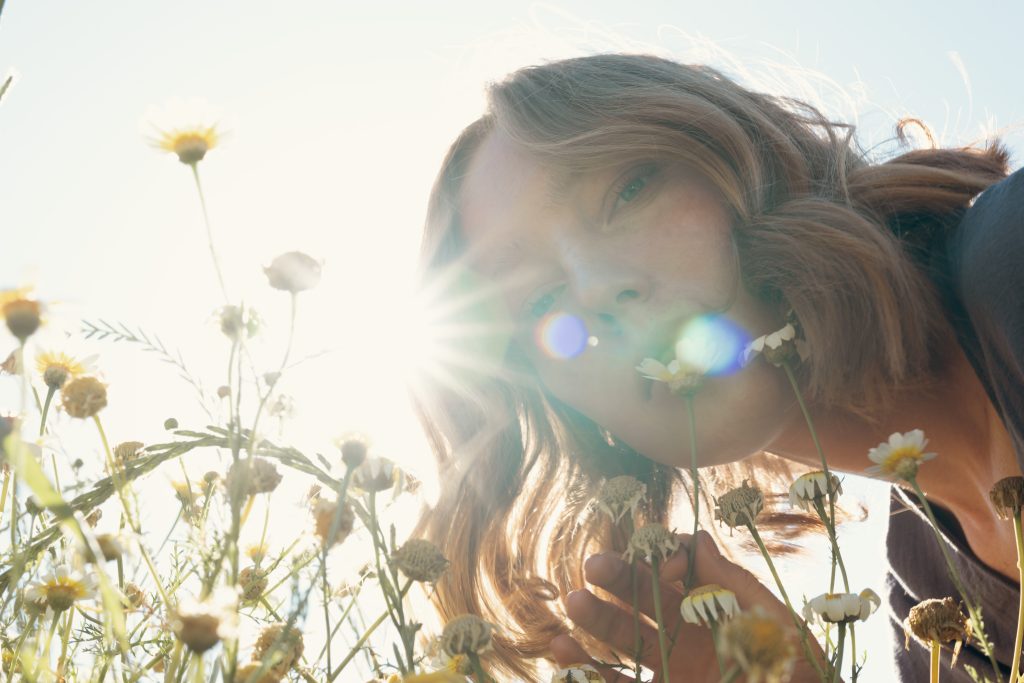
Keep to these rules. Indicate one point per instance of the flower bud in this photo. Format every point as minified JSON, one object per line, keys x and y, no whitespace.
{"x":23,"y":317}
{"x":1008,"y":497}
{"x":465,"y":635}
{"x":740,"y":506}
{"x":420,"y":560}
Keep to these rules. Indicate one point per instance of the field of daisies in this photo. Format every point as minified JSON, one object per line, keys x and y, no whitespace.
{"x":90,"y":592}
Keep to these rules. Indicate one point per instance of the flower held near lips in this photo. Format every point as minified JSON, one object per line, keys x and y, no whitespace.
{"x":778,"y":348}
{"x":679,"y":376}
{"x":900,"y":457}
{"x":842,"y":608}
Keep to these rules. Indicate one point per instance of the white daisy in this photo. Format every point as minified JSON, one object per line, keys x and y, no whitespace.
{"x":811,"y":488}
{"x":842,"y":608}
{"x":710,"y":603}
{"x":676,"y":374}
{"x":900,"y":456}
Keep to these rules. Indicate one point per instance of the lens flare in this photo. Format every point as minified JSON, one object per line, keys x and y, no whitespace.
{"x":561,"y":336}
{"x":712,"y":343}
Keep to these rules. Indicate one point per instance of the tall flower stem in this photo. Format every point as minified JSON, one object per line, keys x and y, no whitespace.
{"x":954,"y":575}
{"x":1018,"y":641}
{"x":936,"y":649}
{"x":831,"y":524}
{"x":46,"y":409}
{"x":837,"y":672}
{"x":800,"y":628}
{"x":659,"y":619}
{"x":713,"y":625}
{"x":478,"y":668}
{"x":281,"y":369}
{"x":209,"y":234}
{"x":691,"y":566}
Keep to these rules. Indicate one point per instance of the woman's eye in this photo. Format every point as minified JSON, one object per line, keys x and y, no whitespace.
{"x":544,"y":304}
{"x":634,"y":185}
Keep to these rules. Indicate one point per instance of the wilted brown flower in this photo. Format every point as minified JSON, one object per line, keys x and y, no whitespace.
{"x":1008,"y":497}
{"x":375,"y":475}
{"x":420,"y":560}
{"x":287,"y":644}
{"x":134,"y":596}
{"x":84,"y":397}
{"x":293,"y":272}
{"x":128,"y":451}
{"x":323,"y":516}
{"x":247,"y":674}
{"x":938,"y":620}
{"x":252,"y":476}
{"x":620,"y":495}
{"x":202,"y":624}
{"x":253,"y":582}
{"x":22,"y":315}
{"x":650,"y":541}
{"x":465,"y":635}
{"x":740,"y":506}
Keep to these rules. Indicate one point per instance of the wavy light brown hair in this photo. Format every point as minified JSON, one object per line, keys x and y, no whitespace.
{"x":818,"y":228}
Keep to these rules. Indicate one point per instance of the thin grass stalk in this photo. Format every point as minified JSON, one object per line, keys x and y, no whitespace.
{"x":659,"y":619}
{"x":936,"y":650}
{"x":1018,"y":640}
{"x":209,"y":233}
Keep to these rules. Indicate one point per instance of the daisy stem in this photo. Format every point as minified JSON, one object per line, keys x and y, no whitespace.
{"x":785,"y":597}
{"x":65,"y":637}
{"x":46,"y":409}
{"x":280,"y":370}
{"x":692,"y":559}
{"x":934,"y":669}
{"x":327,"y":611}
{"x":478,"y":668}
{"x":659,"y":619}
{"x":972,"y":610}
{"x":209,"y":234}
{"x":1017,"y":642}
{"x":831,"y":524}
{"x":17,"y":648}
{"x":837,"y":672}
{"x":367,"y":632}
{"x":713,"y":625}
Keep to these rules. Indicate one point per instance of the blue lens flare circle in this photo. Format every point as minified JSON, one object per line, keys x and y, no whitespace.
{"x":712,"y":343}
{"x":561,"y":336}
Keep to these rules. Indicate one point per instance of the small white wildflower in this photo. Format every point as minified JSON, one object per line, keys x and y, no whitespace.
{"x":778,"y":348}
{"x":842,"y":608}
{"x":678,"y":375}
{"x":709,"y":603}
{"x":809,"y":489}
{"x":900,"y":456}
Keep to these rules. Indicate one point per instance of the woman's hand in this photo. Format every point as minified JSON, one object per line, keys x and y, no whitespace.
{"x":693,"y":657}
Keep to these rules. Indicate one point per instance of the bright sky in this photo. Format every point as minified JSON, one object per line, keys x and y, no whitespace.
{"x":338,"y":114}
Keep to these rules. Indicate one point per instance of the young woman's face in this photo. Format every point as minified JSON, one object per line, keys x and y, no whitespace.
{"x":634,"y":254}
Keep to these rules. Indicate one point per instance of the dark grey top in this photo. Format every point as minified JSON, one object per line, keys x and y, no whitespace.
{"x":981,"y":275}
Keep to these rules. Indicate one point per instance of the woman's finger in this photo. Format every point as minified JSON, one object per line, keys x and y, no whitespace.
{"x":713,"y":567}
{"x":567,"y":652}
{"x":615,"y":626}
{"x":611,"y":573}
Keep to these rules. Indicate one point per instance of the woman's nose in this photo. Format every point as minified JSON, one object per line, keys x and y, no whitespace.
{"x":612,"y":292}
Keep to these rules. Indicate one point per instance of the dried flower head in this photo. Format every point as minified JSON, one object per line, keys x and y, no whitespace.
{"x":353,"y":450}
{"x":709,"y":603}
{"x":253,"y":581}
{"x":810,"y":490}
{"x":285,"y":642}
{"x":740,"y":506}
{"x":577,"y":673}
{"x":420,"y":560}
{"x":900,"y":457}
{"x":247,"y":674}
{"x":252,"y":476}
{"x":842,"y":608}
{"x":133,"y":597}
{"x":237,"y":323}
{"x":170,"y":423}
{"x":93,"y":518}
{"x":940,"y":620}
{"x":57,"y":367}
{"x":1007,"y":497}
{"x":84,"y":397}
{"x":324,"y":512}
{"x":467,"y":634}
{"x":650,"y":541}
{"x":293,"y":272}
{"x":782,"y":347}
{"x":375,"y":475}
{"x":680,"y":377}
{"x":620,"y":495}
{"x":22,"y":314}
{"x":111,"y":546}
{"x":759,"y":646}
{"x":127,"y":451}
{"x":201,"y":624}
{"x":62,"y":588}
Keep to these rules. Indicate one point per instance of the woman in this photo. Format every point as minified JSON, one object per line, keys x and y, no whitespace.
{"x":630,"y":195}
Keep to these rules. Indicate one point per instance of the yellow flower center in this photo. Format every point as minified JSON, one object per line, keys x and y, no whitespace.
{"x":896,"y":458}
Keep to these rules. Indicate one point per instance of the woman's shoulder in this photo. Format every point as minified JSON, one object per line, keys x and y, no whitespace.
{"x":987,"y":248}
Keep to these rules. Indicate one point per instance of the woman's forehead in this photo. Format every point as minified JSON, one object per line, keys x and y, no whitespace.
{"x":507,"y":198}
